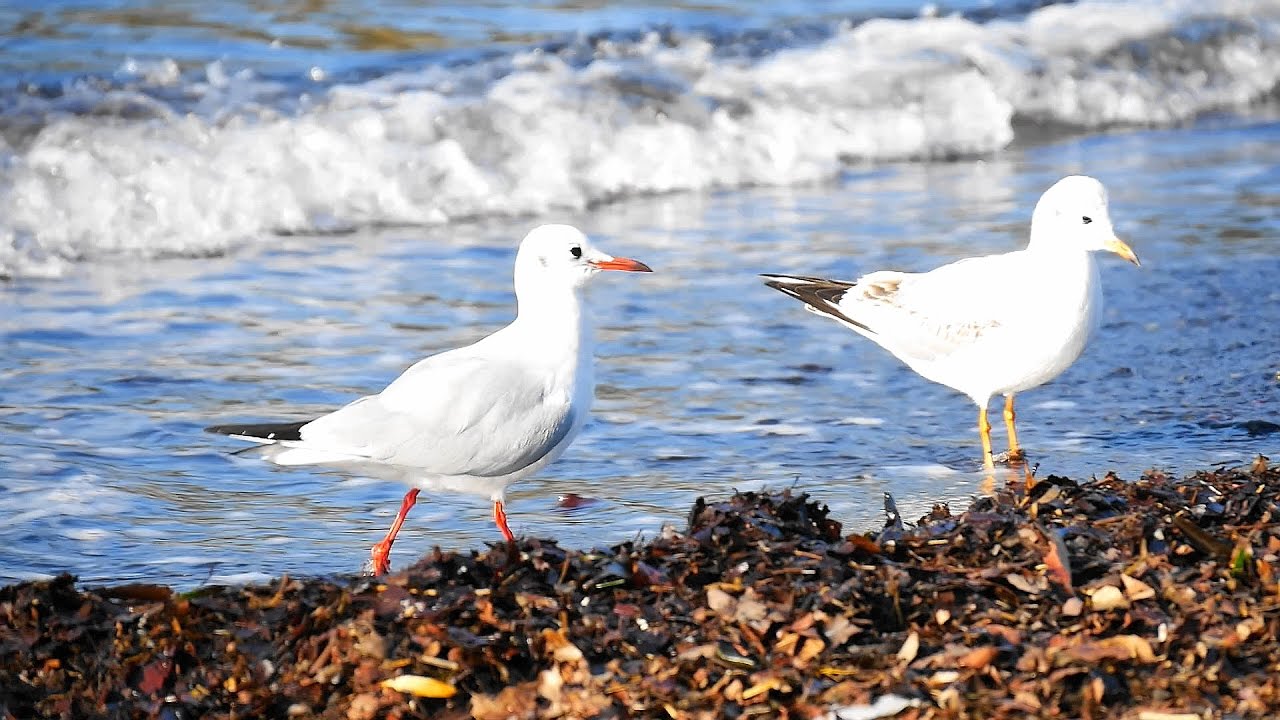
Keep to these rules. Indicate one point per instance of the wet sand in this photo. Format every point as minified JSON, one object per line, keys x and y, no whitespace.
{"x":1154,"y":598}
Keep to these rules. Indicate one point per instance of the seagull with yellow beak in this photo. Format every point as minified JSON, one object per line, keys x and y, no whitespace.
{"x":991,"y":325}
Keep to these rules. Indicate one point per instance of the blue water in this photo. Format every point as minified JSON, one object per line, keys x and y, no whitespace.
{"x":192,"y":265}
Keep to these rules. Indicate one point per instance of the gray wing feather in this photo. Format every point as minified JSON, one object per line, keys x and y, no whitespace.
{"x":928,"y":316}
{"x":451,"y":414}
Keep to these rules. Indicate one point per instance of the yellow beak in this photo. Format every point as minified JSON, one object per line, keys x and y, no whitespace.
{"x":1121,"y":248}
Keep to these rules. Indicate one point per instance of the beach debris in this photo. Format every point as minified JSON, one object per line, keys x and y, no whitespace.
{"x":883,"y":707}
{"x":421,"y":686}
{"x":1106,"y":599}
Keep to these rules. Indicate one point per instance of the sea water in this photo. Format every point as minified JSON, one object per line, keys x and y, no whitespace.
{"x":236,"y":214}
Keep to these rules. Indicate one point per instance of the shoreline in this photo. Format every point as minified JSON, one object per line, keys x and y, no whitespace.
{"x":1153,"y":598}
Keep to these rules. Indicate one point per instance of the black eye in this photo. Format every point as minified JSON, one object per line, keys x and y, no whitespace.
{"x":1086,"y":219}
{"x":575,"y":251}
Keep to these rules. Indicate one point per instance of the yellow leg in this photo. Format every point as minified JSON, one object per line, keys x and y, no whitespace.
{"x":984,"y":429}
{"x":1015,"y":450}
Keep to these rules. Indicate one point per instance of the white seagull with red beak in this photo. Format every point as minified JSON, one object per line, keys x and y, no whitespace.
{"x":480,"y":417}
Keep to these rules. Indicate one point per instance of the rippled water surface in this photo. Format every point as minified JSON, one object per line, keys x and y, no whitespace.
{"x":708,"y":380}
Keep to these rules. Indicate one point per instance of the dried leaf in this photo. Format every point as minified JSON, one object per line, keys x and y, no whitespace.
{"x":503,"y":705}
{"x":719,"y":600}
{"x":420,"y":686}
{"x":699,"y":652}
{"x":978,"y":658}
{"x":864,"y":544}
{"x":1135,"y":589}
{"x":1021,"y":583}
{"x":838,"y":630}
{"x":1119,"y":647}
{"x":155,"y":675}
{"x":363,"y":707}
{"x":787,"y":642}
{"x":812,"y":648}
{"x":764,"y":686}
{"x":750,"y":608}
{"x":909,"y":648}
{"x":550,"y":685}
{"x":1058,"y":562}
{"x":138,"y":591}
{"x":1010,"y":635}
{"x":561,"y":649}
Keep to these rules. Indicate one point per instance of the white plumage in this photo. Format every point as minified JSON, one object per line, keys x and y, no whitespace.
{"x":991,"y":325}
{"x":477,"y":418}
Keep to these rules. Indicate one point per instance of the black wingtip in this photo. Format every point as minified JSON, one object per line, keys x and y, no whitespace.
{"x":785,"y":283}
{"x":819,"y":294}
{"x":265,"y":431}
{"x":782,"y":287}
{"x":795,"y":279}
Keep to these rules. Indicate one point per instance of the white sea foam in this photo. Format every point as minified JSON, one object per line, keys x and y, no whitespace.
{"x":131,"y":171}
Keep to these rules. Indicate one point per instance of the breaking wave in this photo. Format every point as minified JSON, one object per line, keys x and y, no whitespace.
{"x":155,"y":162}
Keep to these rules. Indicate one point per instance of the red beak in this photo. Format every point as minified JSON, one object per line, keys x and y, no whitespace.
{"x":620,"y":263}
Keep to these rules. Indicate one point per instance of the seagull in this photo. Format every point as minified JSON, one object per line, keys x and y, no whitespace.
{"x":990,"y":325}
{"x":477,"y":418}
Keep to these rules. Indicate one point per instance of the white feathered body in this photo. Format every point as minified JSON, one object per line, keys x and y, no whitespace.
{"x":472,"y":420}
{"x":1023,"y":327}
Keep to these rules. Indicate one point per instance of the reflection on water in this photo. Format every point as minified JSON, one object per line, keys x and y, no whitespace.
{"x":709,"y":381}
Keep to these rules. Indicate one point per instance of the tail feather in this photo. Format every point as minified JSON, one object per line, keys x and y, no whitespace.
{"x":821,"y":295}
{"x":262,"y":432}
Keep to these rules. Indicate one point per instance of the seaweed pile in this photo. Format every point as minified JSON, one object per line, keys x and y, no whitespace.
{"x":1151,"y":599}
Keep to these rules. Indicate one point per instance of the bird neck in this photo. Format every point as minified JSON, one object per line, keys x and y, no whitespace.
{"x":1066,"y":271}
{"x":554,"y":319}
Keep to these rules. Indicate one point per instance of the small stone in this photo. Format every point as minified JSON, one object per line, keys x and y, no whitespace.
{"x":1108,"y":597}
{"x":1073,"y":607}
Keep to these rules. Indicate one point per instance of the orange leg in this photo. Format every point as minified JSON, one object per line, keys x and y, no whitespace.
{"x":380,"y":554}
{"x":500,"y":517}
{"x":1015,"y":450}
{"x":984,"y":429}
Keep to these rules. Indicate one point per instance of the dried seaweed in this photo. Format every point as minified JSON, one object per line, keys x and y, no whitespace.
{"x":1105,"y":599}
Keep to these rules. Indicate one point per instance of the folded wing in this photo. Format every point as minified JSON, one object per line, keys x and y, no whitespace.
{"x":456,"y":413}
{"x":917,"y":316}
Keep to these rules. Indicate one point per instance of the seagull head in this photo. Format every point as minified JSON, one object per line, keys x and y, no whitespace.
{"x":1074,"y":212}
{"x":560,"y":255}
